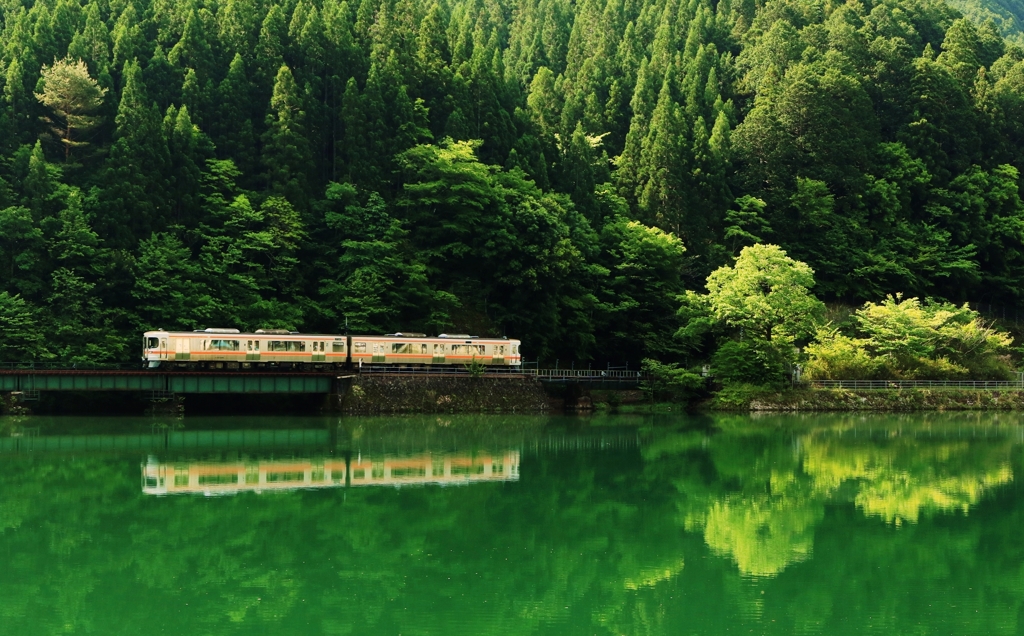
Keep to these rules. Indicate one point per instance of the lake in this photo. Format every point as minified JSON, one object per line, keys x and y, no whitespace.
{"x":674,"y":524}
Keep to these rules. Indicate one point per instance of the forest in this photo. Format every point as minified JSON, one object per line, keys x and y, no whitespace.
{"x":560,"y":172}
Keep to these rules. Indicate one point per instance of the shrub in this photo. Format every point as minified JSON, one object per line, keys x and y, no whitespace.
{"x":908,"y":339}
{"x":668,"y":381}
{"x":745,"y":363}
{"x":833,"y":356}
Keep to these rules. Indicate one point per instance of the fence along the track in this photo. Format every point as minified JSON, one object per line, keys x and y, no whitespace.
{"x":985,"y":385}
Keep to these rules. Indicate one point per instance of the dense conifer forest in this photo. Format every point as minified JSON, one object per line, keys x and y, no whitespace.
{"x":558,"y":171}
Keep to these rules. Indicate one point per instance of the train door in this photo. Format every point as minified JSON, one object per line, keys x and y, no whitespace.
{"x":181,"y":349}
{"x":319,"y":352}
{"x":378,"y":352}
{"x":438,"y":353}
{"x":498,"y":357}
{"x":163,"y":349}
{"x":252,"y":351}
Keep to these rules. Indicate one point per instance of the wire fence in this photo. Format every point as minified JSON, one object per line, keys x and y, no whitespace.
{"x":985,"y":385}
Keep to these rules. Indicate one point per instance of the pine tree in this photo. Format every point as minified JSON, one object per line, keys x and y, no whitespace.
{"x":185,"y":156}
{"x":286,"y":155}
{"x":661,"y":191}
{"x":127,"y":37}
{"x":134,"y":199}
{"x":234,"y":135}
{"x":92,"y":43}
{"x":192,"y":51}
{"x":73,"y":96}
{"x":162,"y":77}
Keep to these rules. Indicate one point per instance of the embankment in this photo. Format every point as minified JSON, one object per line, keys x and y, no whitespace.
{"x":749,"y":399}
{"x":420,"y":394}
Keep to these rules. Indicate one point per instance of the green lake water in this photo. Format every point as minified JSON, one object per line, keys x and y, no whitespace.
{"x":818,"y":524}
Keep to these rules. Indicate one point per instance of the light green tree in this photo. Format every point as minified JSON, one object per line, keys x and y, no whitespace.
{"x":72,"y":95}
{"x":767,"y":295}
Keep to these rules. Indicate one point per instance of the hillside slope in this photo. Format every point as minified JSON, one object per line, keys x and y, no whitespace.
{"x":561,"y":171}
{"x":1008,"y":15}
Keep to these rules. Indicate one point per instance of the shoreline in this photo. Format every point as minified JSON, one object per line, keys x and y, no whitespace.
{"x":753,"y":399}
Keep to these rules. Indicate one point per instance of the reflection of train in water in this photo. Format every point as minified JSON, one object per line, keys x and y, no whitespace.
{"x":225,"y":477}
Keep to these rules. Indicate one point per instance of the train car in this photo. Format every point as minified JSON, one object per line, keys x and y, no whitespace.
{"x":231,"y":349}
{"x":416,"y":349}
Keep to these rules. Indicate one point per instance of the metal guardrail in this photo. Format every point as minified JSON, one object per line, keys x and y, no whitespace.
{"x":488,"y":371}
{"x":589,"y":373}
{"x":590,"y":376}
{"x":989,"y":385}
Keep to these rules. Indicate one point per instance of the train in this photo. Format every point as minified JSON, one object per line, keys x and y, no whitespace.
{"x":217,"y":348}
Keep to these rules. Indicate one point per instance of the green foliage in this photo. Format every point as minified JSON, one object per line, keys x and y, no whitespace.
{"x":21,"y":336}
{"x":743,"y":362}
{"x":530,"y":169}
{"x":668,"y":381}
{"x":909,"y":339}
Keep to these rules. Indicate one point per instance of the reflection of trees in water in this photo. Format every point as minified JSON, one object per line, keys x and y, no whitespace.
{"x":766,"y":485}
{"x":901,"y":478}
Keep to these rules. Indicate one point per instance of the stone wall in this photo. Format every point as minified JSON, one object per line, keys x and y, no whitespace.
{"x":437,"y":394}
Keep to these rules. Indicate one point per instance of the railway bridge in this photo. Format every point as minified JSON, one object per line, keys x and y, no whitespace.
{"x":28,"y":380}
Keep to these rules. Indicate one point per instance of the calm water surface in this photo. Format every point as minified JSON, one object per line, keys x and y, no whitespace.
{"x":825,"y":524}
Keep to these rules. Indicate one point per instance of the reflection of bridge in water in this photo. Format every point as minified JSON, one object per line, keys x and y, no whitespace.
{"x":259,"y":475}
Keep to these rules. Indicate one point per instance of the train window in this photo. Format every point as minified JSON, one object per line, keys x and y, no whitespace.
{"x":339,"y":347}
{"x":423,"y":349}
{"x":480,"y":349}
{"x":501,"y":350}
{"x":250,"y":345}
{"x":286,"y":345}
{"x":358,"y":347}
{"x":438,"y":349}
{"x":152,"y":343}
{"x":224,"y":345}
{"x":257,"y":346}
{"x":515,"y":349}
{"x":401,"y":347}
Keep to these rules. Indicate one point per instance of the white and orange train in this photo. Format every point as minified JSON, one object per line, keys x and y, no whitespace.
{"x":273,"y":348}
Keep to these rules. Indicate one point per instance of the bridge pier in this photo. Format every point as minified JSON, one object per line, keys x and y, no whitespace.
{"x":167,"y":403}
